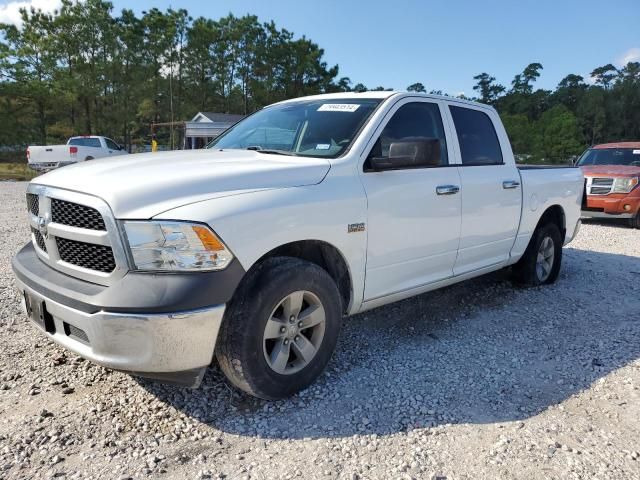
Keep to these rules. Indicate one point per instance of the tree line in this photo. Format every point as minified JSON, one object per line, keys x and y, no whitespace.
{"x":87,"y":70}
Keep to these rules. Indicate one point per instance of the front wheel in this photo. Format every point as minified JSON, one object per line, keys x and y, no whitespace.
{"x":635,"y":221}
{"x":542,"y":259}
{"x":280,"y":329}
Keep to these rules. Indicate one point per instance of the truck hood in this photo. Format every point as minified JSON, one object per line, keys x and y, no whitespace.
{"x":141,"y":186}
{"x":611,"y":171}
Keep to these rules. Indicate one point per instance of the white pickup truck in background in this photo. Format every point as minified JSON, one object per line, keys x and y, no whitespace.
{"x":77,"y":149}
{"x":252,"y":250}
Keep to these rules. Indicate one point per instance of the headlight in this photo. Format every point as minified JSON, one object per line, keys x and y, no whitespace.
{"x":624,"y":185}
{"x":175,"y":246}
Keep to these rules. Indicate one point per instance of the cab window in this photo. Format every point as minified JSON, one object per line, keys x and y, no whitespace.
{"x":477,"y":136}
{"x":111,"y":145}
{"x":413,"y":138}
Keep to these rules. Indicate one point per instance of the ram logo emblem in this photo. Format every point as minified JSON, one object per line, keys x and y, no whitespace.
{"x":43,"y":227}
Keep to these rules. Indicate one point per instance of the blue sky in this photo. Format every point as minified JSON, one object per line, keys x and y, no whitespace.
{"x":442,"y":44}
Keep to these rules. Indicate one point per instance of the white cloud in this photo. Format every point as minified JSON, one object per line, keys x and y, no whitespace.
{"x":631,"y":55}
{"x":10,"y":12}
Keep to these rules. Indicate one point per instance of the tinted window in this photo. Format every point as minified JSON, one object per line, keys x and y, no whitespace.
{"x":111,"y":145}
{"x":85,"y":142}
{"x":478,"y":140}
{"x":418,"y":122}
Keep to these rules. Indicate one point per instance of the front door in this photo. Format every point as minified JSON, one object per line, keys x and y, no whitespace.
{"x":413,"y":211}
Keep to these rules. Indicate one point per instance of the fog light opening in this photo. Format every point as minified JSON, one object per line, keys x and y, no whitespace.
{"x":627,"y":207}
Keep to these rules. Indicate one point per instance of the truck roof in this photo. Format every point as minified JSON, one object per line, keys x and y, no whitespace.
{"x":384,"y":95}
{"x":603,"y":146}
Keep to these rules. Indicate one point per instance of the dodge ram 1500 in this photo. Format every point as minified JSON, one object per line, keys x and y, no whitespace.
{"x":252,"y":250}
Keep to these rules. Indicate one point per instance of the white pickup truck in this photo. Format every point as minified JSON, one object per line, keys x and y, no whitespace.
{"x":252,"y":251}
{"x":77,"y":149}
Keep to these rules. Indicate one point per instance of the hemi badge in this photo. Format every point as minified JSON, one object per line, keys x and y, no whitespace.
{"x":355,"y":227}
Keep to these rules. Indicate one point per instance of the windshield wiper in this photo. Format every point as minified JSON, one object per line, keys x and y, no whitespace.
{"x":258,"y":148}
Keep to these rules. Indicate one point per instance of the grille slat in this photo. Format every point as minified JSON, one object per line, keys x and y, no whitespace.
{"x":86,"y":255}
{"x":33,"y":203}
{"x":76,"y":215}
{"x":73,"y":331}
{"x":600,"y":186}
{"x":39,"y":239}
{"x":600,"y":190}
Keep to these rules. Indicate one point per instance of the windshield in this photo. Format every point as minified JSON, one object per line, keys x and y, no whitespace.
{"x":611,"y":156}
{"x":311,"y":128}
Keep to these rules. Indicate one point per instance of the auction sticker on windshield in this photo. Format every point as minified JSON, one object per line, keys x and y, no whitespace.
{"x":339,"y":107}
{"x":636,"y":152}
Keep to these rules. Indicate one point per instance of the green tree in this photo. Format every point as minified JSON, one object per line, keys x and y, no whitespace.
{"x":558,"y":135}
{"x":604,"y":75}
{"x":488,"y":89}
{"x":416,"y":87}
{"x":523,"y":82}
{"x":29,"y":65}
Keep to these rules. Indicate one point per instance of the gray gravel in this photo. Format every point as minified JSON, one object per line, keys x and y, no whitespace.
{"x":479,"y":380}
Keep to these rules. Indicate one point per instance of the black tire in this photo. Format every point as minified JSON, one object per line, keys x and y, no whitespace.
{"x":88,"y":158}
{"x":635,"y":221}
{"x":240,"y":346}
{"x":525,"y":273}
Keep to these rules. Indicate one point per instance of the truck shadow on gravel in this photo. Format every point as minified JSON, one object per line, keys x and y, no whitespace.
{"x":477,"y":352}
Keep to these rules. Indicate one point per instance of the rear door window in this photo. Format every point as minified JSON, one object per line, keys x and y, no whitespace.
{"x":85,"y":142}
{"x":477,"y":136}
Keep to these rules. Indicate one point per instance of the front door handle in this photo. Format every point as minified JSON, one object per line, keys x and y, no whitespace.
{"x":447,"y":189}
{"x":507,"y":184}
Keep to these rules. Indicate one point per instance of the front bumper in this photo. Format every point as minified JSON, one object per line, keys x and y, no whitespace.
{"x":612,"y":206}
{"x":157,"y":326}
{"x":175,"y":347}
{"x":598,"y":214}
{"x":48,"y":166}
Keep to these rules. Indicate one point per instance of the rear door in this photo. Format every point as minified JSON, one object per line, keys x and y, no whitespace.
{"x":413,"y":212}
{"x":491,"y":193}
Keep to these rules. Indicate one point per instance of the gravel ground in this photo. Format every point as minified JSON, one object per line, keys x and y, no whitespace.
{"x":479,"y":380}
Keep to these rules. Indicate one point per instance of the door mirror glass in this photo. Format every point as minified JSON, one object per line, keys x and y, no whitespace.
{"x":409,"y":153}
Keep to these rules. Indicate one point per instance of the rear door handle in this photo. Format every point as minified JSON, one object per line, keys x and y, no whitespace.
{"x":447,"y":189}
{"x":507,"y":184}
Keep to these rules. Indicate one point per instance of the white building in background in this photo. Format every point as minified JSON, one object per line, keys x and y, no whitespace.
{"x":206,"y":126}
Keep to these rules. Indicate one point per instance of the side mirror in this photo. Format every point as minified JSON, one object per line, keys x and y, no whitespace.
{"x":410,"y":153}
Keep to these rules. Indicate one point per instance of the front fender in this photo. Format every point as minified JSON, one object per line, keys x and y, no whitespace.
{"x":255,"y":223}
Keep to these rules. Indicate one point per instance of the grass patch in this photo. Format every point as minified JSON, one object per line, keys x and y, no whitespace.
{"x":16,"y":171}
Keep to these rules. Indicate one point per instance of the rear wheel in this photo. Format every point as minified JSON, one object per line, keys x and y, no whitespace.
{"x":280,"y":329}
{"x":542,"y":259}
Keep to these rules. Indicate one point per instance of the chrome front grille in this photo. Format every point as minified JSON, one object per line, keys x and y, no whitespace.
{"x":599,"y":185}
{"x":39,"y":240}
{"x":75,"y":215}
{"x":86,"y":255}
{"x":76,"y":234}
{"x":33,"y":204}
